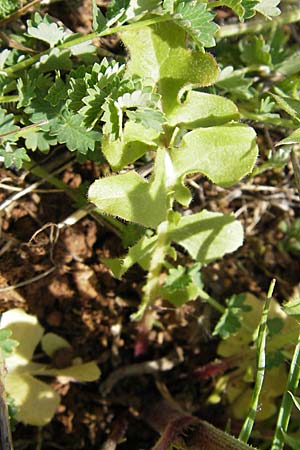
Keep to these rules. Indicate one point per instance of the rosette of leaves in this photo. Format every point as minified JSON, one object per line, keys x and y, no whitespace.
{"x":187,"y":131}
{"x":35,"y":400}
{"x":238,"y":329}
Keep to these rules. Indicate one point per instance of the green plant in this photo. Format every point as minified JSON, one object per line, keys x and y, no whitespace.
{"x":159,"y":108}
{"x":8,"y":6}
{"x":35,"y":400}
{"x":151,"y":106}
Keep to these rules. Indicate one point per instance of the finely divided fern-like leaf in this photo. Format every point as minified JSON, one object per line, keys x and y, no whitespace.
{"x":194,"y":18}
{"x":70,"y":131}
{"x":13,"y":156}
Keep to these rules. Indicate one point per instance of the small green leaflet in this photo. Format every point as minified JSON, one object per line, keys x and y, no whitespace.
{"x":194,"y":18}
{"x":69,"y":131}
{"x":7,"y":126}
{"x":7,"y":345}
{"x":45,"y":30}
{"x":14,"y":156}
{"x":182,"y":284}
{"x":230,"y":321}
{"x":99,"y":21}
{"x":268,"y":8}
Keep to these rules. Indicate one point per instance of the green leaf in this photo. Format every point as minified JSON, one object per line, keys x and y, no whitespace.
{"x":47,"y":32}
{"x":69,"y":130}
{"x":208,"y":235}
{"x":180,"y":286}
{"x":194,"y":18}
{"x":292,"y":307}
{"x":292,"y":139}
{"x":80,"y":373}
{"x":275,"y":358}
{"x":236,"y":6}
{"x":293,"y":442}
{"x":56,"y":59}
{"x":296,"y":400}
{"x":235,"y":82}
{"x":158,"y":55}
{"x":289,"y":104}
{"x":39,"y":140}
{"x":182,"y":70}
{"x":140,"y":254}
{"x":249,"y":6}
{"x":135,"y":141}
{"x":28,"y":335}
{"x":255,"y":51}
{"x":57,"y":92}
{"x":7,"y":345}
{"x":200,"y":110}
{"x":148,"y":118}
{"x":14,"y":156}
{"x":36,"y":401}
{"x":7,"y":7}
{"x":230,"y":321}
{"x":131,"y":197}
{"x":268,"y":8}
{"x":7,"y":126}
{"x":51,"y":343}
{"x":224,"y":154}
{"x":99,"y":21}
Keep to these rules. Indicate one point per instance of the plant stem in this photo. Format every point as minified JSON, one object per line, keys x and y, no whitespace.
{"x":260,"y":372}
{"x":257,"y":26}
{"x":185,"y":432}
{"x":10,"y":71}
{"x":9,"y":98}
{"x":152,"y":286}
{"x":5,"y":434}
{"x":296,"y":168}
{"x":278,"y":122}
{"x":287,"y":401}
{"x":212,"y":302}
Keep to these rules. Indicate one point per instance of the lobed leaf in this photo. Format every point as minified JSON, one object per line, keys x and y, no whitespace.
{"x":158,"y":55}
{"x":134,"y":142}
{"x":132,"y":198}
{"x":208,"y":235}
{"x":200,"y":110}
{"x":224,"y":154}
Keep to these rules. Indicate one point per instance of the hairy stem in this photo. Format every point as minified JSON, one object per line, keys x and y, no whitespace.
{"x":185,"y":431}
{"x":257,"y":26}
{"x":5,"y":434}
